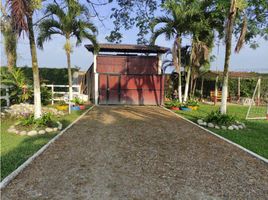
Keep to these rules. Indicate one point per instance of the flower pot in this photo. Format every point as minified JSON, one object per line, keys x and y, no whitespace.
{"x":62,"y":107}
{"x":193,"y":107}
{"x":75,"y":108}
{"x":82,"y":107}
{"x":185,"y":109}
{"x":174,"y":108}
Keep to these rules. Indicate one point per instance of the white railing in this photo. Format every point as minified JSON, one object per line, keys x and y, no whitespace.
{"x":63,"y":95}
{"x":6,"y":97}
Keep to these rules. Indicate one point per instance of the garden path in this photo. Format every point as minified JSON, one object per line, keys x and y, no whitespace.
{"x":121,"y":152}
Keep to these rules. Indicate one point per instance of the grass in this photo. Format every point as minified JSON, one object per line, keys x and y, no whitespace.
{"x":16,"y":149}
{"x":254,"y":137}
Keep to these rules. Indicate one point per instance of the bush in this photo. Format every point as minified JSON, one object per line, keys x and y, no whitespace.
{"x":45,"y":120}
{"x":174,"y":103}
{"x":220,"y":119}
{"x":78,"y":101}
{"x":192,"y":102}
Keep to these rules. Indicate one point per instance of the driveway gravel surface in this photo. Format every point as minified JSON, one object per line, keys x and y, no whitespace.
{"x":138,"y":152}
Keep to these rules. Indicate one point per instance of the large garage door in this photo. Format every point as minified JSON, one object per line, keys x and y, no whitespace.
{"x":130,"y":89}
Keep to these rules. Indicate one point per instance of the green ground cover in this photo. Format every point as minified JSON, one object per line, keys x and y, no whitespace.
{"x":254,"y":137}
{"x":16,"y":149}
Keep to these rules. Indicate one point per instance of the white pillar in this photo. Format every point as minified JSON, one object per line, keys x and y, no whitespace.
{"x":96,"y":80}
{"x":52,"y":94}
{"x":159,"y":67}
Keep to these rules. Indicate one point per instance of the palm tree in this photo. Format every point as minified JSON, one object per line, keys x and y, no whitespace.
{"x":235,"y":6}
{"x":10,"y":38}
{"x":175,"y":25}
{"x":22,"y":16}
{"x":68,"y":21}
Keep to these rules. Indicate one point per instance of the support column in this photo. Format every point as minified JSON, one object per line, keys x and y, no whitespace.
{"x":96,"y":80}
{"x":159,"y":67}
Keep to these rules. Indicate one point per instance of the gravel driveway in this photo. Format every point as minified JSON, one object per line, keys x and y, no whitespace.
{"x":140,"y":153}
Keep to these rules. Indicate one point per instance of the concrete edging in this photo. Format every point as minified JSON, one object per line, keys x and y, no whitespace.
{"x":16,"y":172}
{"x":226,"y":140}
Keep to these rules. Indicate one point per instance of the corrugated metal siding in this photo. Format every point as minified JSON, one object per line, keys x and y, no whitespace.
{"x":129,"y":80}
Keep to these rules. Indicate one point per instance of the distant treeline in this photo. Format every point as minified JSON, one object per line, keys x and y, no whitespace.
{"x":58,"y":76}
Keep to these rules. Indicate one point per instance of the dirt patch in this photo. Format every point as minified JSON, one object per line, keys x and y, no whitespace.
{"x":140,"y":153}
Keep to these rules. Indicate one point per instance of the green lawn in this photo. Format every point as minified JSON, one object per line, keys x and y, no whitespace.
{"x":16,"y":149}
{"x":254,"y":137}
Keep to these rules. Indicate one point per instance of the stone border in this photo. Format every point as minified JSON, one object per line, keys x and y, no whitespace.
{"x":226,"y":140}
{"x":13,"y":175}
{"x":12,"y":129}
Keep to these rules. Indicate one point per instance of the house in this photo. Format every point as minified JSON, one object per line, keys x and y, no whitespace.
{"x":125,"y":74}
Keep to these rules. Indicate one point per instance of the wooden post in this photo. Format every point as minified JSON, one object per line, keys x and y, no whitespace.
{"x":52,"y":94}
{"x":216,"y":90}
{"x":7,"y":97}
{"x":238,"y":90}
{"x":202,"y":87}
{"x":259,"y":93}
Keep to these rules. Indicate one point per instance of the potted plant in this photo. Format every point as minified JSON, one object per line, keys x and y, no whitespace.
{"x":79,"y":104}
{"x":173,"y":105}
{"x":192,"y":104}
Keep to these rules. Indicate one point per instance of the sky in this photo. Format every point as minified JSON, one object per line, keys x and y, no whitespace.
{"x":53,"y":54}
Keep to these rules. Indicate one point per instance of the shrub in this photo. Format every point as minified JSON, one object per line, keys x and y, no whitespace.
{"x":78,"y":101}
{"x":220,"y":119}
{"x":174,"y":103}
{"x":45,"y":120}
{"x":192,"y":102}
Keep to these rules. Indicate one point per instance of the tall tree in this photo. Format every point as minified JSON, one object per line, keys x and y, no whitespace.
{"x":10,"y":38}
{"x":69,"y":21}
{"x":245,"y":20}
{"x":174,"y":25}
{"x":22,"y":15}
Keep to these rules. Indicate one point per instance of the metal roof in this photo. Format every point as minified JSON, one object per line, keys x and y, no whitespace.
{"x":128,"y":48}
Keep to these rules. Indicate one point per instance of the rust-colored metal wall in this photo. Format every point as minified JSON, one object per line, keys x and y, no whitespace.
{"x":129,"y":80}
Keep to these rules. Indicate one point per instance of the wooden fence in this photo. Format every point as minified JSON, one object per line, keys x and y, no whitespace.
{"x":62,"y":95}
{"x":6,"y":97}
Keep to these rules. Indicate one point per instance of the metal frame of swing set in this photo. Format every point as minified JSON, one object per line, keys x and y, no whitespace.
{"x":258,"y":87}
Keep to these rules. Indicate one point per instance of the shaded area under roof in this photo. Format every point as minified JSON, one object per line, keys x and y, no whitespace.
{"x":232,"y":74}
{"x":128,"y":48}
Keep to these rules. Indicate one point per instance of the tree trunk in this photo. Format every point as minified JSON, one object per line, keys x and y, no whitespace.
{"x":176,"y":54}
{"x":216,"y":90}
{"x":202,"y":88}
{"x":186,"y":91}
{"x":178,"y":41}
{"x":228,"y":48}
{"x":68,"y":54}
{"x":36,"y":80}
{"x":194,"y":87}
{"x":10,"y":43}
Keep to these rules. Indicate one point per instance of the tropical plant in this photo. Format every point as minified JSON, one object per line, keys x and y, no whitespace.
{"x":10,"y":38}
{"x":246,"y":19}
{"x":20,"y":91}
{"x":192,"y":102}
{"x":22,"y":15}
{"x":69,"y":21}
{"x":220,"y":119}
{"x":78,"y":101}
{"x":44,"y":121}
{"x":175,"y":25}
